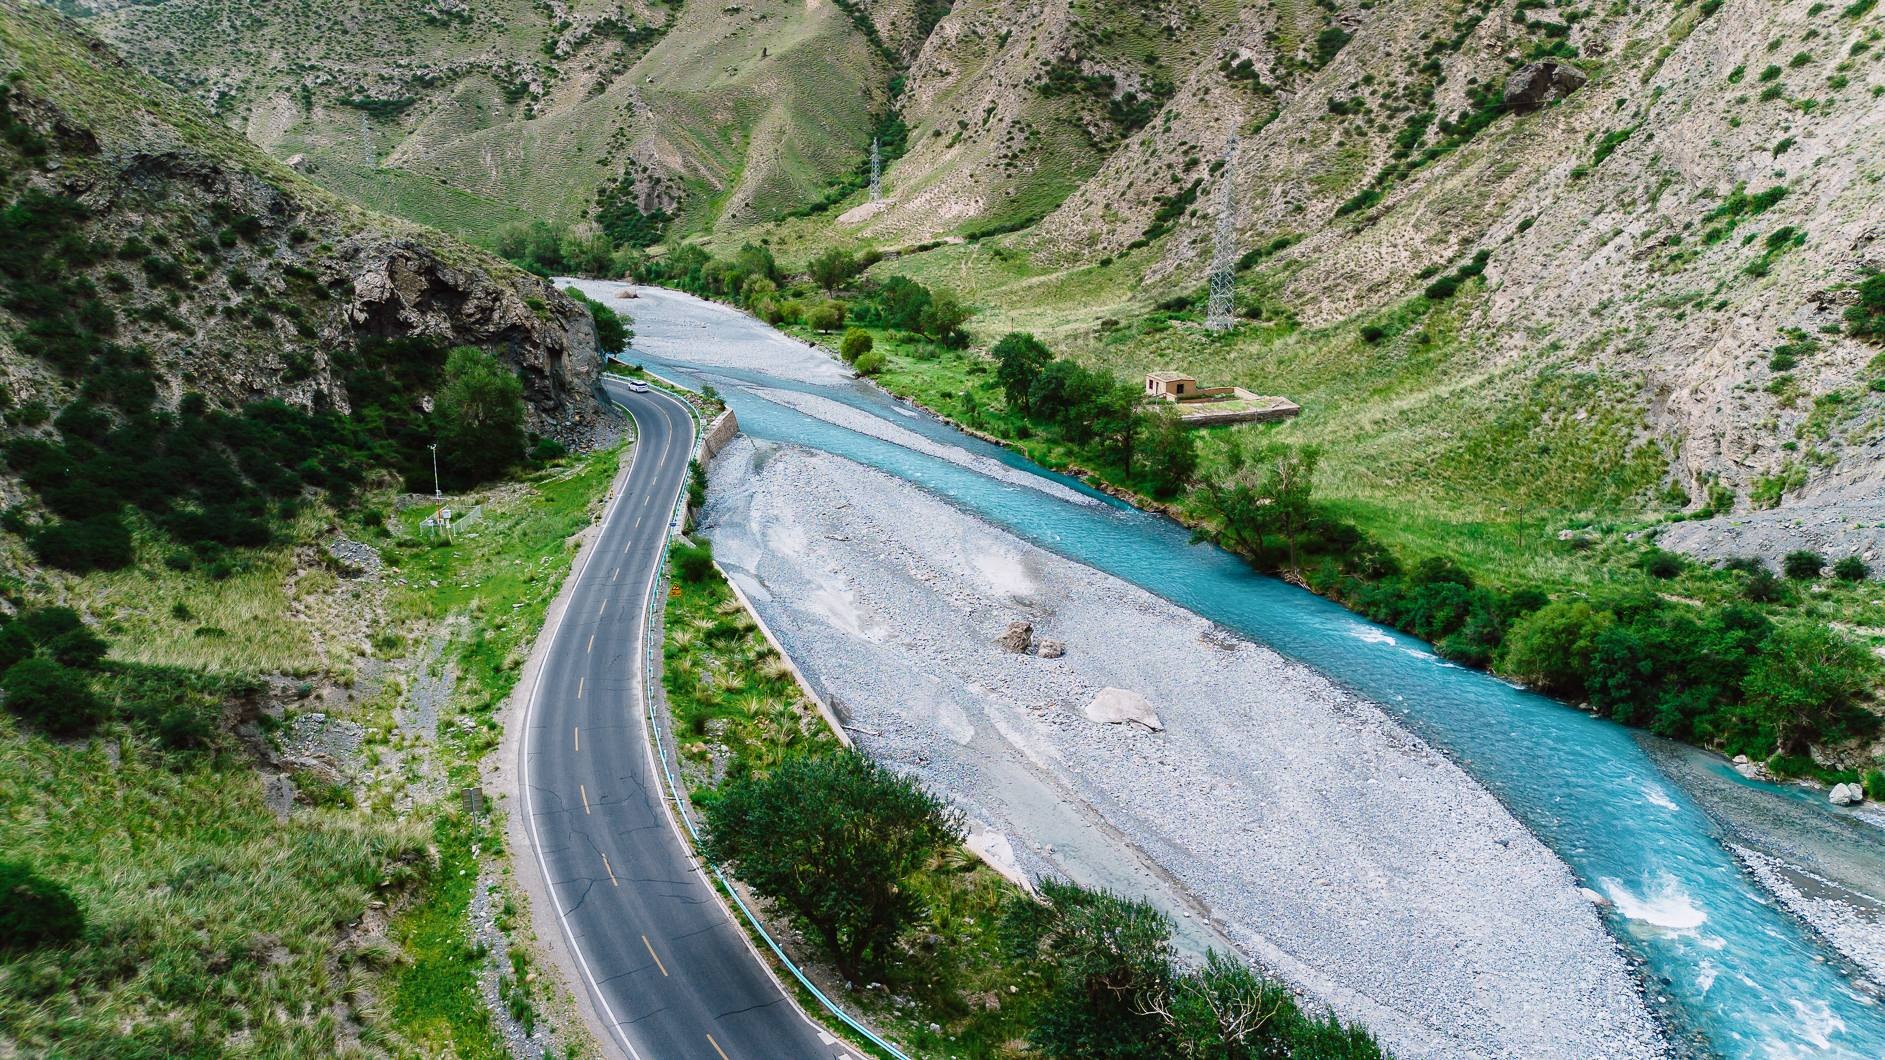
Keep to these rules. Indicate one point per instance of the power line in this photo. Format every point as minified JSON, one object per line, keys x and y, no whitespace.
{"x":1217,"y":315}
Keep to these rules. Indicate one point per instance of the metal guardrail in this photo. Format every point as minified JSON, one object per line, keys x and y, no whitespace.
{"x":680,"y":803}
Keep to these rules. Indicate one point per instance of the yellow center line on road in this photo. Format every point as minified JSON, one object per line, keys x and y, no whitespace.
{"x":717,"y":1049}
{"x":585,"y":795}
{"x":610,"y":871}
{"x":657,"y":957}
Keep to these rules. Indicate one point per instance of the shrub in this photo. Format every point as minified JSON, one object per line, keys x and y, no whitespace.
{"x":58,"y":633}
{"x":870,"y":363}
{"x":1803,"y":565}
{"x":825,"y":318}
{"x":694,"y":563}
{"x":1807,"y":682}
{"x":56,"y":698}
{"x":856,"y":343}
{"x":1659,"y":563}
{"x":1763,"y":588}
{"x":100,"y":542}
{"x":1875,"y":785}
{"x":1851,"y":569}
{"x":1866,"y":318}
{"x":1553,"y":648}
{"x":834,"y":838}
{"x":35,"y":911}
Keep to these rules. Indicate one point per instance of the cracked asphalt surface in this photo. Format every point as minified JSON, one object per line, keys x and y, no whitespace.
{"x":666,"y":967}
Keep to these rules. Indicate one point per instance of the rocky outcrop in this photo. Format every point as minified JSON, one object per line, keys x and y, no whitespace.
{"x":401,"y":287}
{"x":1018,"y":638}
{"x":1535,"y":84}
{"x":246,"y":282}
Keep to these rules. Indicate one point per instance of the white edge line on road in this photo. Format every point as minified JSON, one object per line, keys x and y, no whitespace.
{"x":672,"y":800}
{"x":523,"y":768}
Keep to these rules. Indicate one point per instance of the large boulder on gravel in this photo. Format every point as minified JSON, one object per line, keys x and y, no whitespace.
{"x":1018,"y":639}
{"x":1113,"y":706}
{"x":1847,"y":795}
{"x":1536,"y":84}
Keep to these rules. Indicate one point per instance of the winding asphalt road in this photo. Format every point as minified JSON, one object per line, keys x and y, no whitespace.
{"x":668,"y":971}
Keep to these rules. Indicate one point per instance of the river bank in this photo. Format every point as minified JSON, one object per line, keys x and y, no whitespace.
{"x":1825,"y":867}
{"x":1272,"y":810}
{"x":1721,"y":963}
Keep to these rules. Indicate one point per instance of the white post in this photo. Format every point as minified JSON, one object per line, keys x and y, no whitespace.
{"x":437,"y":494}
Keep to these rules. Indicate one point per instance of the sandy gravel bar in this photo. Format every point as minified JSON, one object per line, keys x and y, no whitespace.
{"x":1274,"y":811}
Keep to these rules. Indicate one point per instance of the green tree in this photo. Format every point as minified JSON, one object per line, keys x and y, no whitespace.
{"x":480,"y":412}
{"x":755,"y":260}
{"x":825,"y":318}
{"x":1169,"y":451}
{"x":1108,"y":963}
{"x":833,"y":269}
{"x":35,"y":911}
{"x":55,"y":698}
{"x":1554,"y":647}
{"x":1272,"y":496}
{"x":900,"y":303}
{"x":612,"y":333}
{"x":942,"y":320}
{"x":1019,"y":361}
{"x":587,"y":252}
{"x":1807,"y":681}
{"x":856,"y":343}
{"x":835,"y":839}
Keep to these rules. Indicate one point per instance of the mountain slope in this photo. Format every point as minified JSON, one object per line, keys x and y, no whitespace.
{"x":233,"y":276}
{"x":1688,"y":224}
{"x":1656,"y":213}
{"x":471,"y":114}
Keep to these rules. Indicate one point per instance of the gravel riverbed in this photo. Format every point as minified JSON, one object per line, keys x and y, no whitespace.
{"x":1273,"y":812}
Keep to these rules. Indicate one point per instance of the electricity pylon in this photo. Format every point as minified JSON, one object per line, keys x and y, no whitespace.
{"x":1217,"y":314}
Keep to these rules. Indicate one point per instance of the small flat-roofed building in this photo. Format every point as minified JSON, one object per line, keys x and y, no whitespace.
{"x":1209,"y":406}
{"x":1171,"y":386}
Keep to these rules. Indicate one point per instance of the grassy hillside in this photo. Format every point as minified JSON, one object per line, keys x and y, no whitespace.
{"x":470,"y":116}
{"x":239,"y":751}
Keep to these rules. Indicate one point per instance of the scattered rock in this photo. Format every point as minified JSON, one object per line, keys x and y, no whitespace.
{"x":1846,"y":795}
{"x":1018,"y":639}
{"x":355,"y":559}
{"x":1536,"y":84}
{"x":278,"y":794}
{"x":1113,"y":706}
{"x":1052,"y":649}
